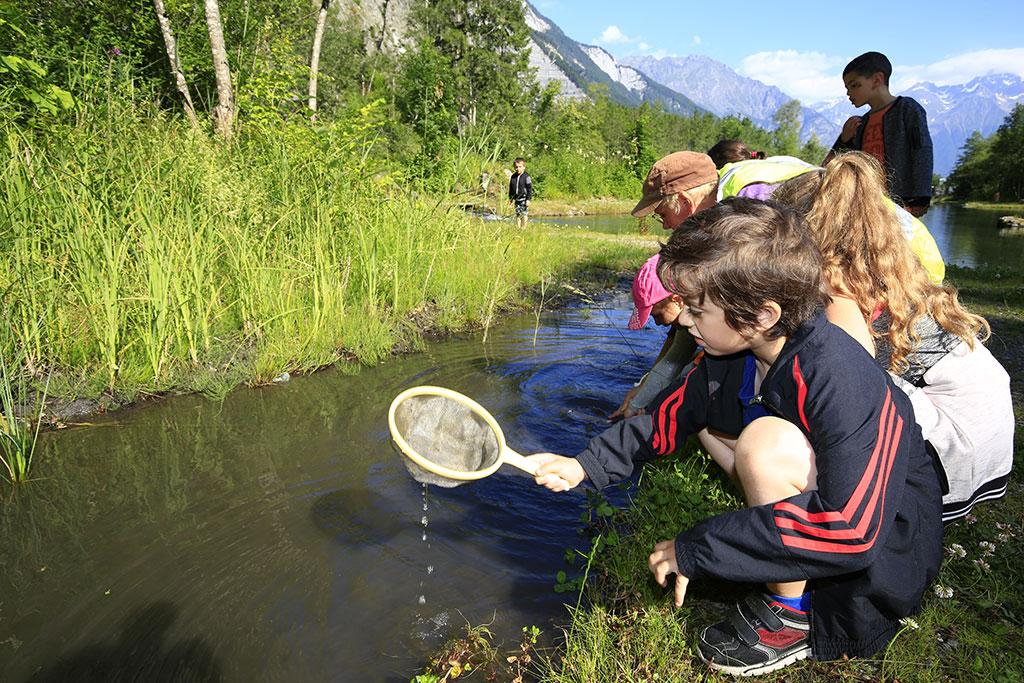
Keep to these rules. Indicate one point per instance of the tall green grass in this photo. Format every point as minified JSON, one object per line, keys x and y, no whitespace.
{"x":140,"y":254}
{"x":19,"y":432}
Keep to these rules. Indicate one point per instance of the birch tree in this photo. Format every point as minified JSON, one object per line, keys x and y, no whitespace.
{"x":314,"y":62}
{"x":224,"y":112}
{"x":172,"y":56}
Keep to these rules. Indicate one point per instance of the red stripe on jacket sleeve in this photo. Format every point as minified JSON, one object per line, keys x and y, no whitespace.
{"x":665,"y":423}
{"x":875,"y":477}
{"x":849,"y":548}
{"x":801,"y":391}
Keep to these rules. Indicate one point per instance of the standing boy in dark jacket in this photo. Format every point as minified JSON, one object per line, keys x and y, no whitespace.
{"x":843,"y":518}
{"x":520,"y":191}
{"x":894,"y":131}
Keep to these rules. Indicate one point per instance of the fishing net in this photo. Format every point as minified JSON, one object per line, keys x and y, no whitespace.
{"x":452,"y":440}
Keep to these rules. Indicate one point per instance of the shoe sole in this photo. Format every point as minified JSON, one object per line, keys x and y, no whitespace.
{"x":758,"y":669}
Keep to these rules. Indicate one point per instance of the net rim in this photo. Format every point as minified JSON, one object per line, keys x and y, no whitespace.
{"x":441,"y":470}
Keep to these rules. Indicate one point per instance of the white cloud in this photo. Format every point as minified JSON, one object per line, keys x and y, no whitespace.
{"x":661,"y":54}
{"x":612,"y":35}
{"x":960,"y":69}
{"x":642,"y":46}
{"x":807,"y":76}
{"x":815,"y":76}
{"x":696,"y":40}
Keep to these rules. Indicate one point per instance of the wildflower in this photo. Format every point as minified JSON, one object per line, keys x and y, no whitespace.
{"x":982,"y":565}
{"x":943,"y":592}
{"x":956,"y":550}
{"x":910,"y":623}
{"x":988,"y":549}
{"x":970,"y":518}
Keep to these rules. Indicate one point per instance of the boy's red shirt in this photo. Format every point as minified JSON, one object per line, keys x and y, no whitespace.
{"x":874,"y":141}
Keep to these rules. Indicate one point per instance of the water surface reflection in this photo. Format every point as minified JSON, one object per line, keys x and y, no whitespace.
{"x":277,"y":535}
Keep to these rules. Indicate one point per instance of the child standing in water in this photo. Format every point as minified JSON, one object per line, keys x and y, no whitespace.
{"x":842,"y":526}
{"x":894,"y":131}
{"x":520,"y":191}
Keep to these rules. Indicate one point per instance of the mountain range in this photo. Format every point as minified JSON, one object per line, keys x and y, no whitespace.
{"x":697,"y":83}
{"x":954,"y":111}
{"x":575,"y":67}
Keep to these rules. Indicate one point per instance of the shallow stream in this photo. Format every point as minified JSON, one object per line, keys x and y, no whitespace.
{"x":278,"y":536}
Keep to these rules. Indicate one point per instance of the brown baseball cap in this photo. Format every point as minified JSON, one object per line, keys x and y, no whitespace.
{"x":671,"y":175}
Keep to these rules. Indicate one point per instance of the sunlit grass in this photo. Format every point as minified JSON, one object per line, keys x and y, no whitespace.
{"x":142,"y":256}
{"x":19,"y":433}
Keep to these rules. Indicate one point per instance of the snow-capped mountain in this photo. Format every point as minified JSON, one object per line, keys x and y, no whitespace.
{"x":954,"y":111}
{"x":722,"y":91}
{"x":575,"y":66}
{"x":696,"y":82}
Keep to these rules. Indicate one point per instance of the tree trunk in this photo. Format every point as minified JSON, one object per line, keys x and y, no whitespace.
{"x":383,"y":24}
{"x":172,"y":57}
{"x":224,"y":112}
{"x":314,"y":62}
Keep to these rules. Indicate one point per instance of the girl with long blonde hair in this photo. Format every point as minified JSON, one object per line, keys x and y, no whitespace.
{"x":916,"y":329}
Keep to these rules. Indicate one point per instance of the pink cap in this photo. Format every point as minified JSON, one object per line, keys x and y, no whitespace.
{"x":647,"y":291}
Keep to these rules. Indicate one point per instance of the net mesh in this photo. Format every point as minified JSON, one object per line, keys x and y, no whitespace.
{"x":446,"y":433}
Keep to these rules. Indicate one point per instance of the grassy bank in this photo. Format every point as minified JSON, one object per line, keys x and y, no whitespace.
{"x":590,"y":206}
{"x":625,"y":629}
{"x":139,"y":256}
{"x":1012,"y":207}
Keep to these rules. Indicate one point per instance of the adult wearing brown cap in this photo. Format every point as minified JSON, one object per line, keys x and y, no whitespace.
{"x":678,"y":186}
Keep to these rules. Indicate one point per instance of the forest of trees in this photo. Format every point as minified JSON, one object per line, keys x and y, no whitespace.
{"x":992,"y":168}
{"x":458,"y":99}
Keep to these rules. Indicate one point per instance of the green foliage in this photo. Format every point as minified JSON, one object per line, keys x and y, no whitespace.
{"x":990,"y":168}
{"x":426,"y":99}
{"x":972,"y":175}
{"x":1008,"y":156}
{"x":475,"y":653}
{"x":643,"y":156}
{"x":26,"y":88}
{"x":787,"y":129}
{"x":485,"y":45}
{"x":19,"y":429}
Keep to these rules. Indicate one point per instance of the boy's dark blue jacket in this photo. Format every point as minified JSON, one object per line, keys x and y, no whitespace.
{"x":520,"y":187}
{"x":908,"y":151}
{"x":869,"y":539}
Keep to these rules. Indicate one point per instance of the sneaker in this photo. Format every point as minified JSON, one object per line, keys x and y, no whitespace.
{"x":760,"y":635}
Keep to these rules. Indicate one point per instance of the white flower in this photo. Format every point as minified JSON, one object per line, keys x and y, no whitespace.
{"x":982,"y":564}
{"x":909,"y":623}
{"x":943,"y":591}
{"x":987,"y":548}
{"x":957,"y":550}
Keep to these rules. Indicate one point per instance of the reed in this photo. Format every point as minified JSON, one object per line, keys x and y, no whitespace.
{"x":18,"y":432}
{"x":141,"y":255}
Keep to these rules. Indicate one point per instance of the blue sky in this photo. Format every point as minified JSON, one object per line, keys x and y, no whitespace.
{"x":802,"y":46}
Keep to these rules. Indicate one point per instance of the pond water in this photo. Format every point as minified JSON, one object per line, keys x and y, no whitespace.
{"x":966,"y":237}
{"x":278,"y":536}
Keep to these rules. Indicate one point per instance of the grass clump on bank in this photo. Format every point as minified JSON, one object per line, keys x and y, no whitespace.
{"x":996,"y":206}
{"x":973,"y":617}
{"x":140,"y":255}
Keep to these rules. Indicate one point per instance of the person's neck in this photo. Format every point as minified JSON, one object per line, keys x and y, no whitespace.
{"x":881,"y":102}
{"x":767,"y":352}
